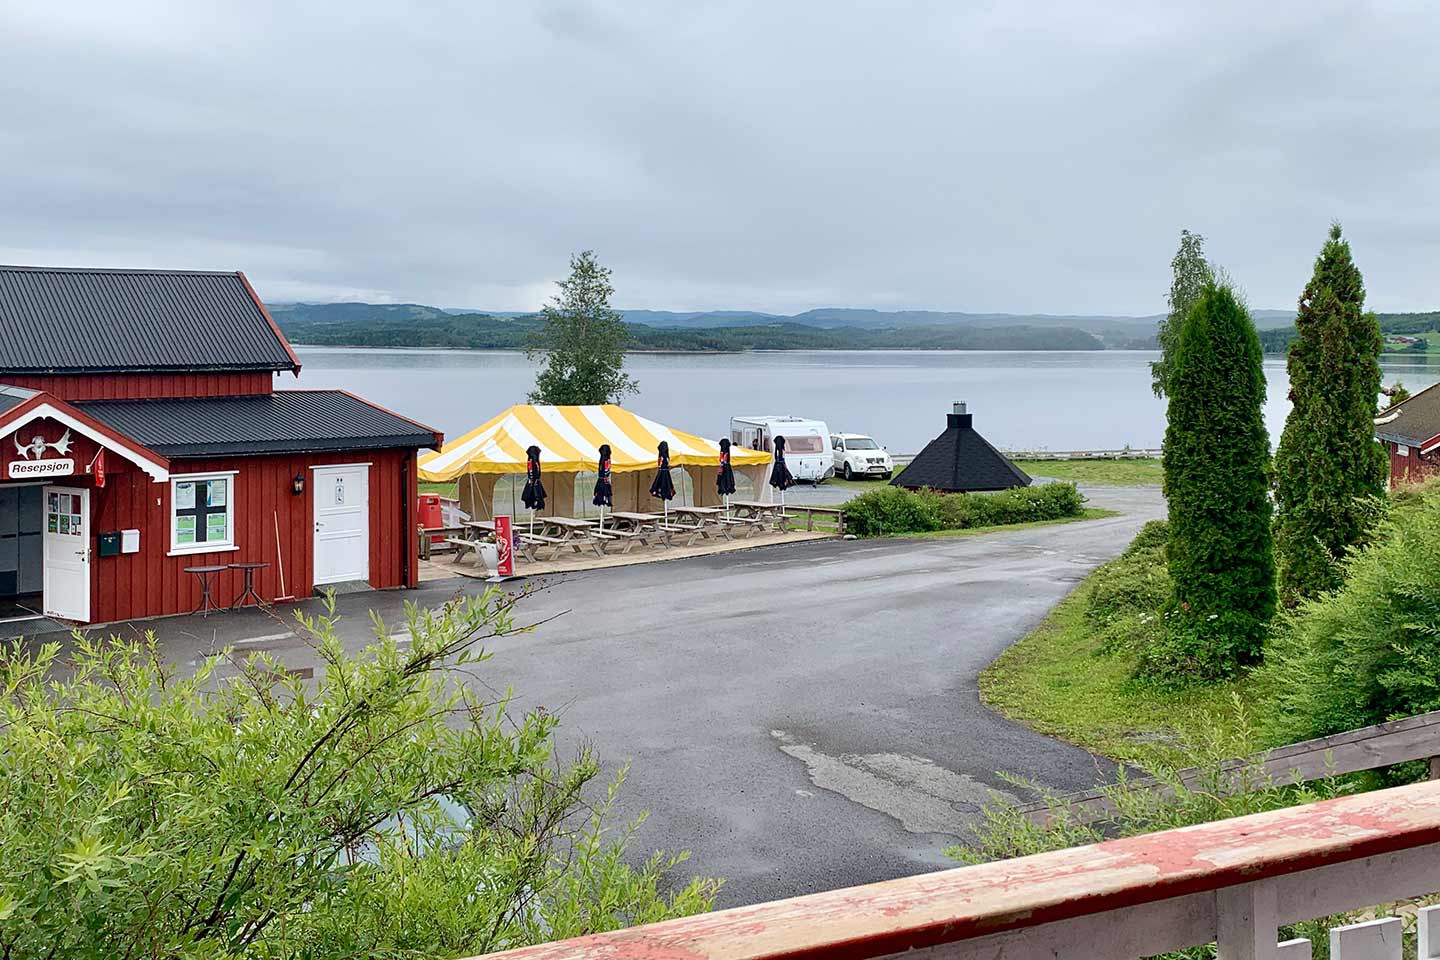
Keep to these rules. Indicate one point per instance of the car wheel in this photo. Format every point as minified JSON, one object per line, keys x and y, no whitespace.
{"x":887,"y":475}
{"x":847,"y":474}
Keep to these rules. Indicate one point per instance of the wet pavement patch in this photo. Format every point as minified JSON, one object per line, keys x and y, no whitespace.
{"x":922,"y":795}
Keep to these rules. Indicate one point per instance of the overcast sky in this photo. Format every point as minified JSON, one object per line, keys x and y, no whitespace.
{"x":772,"y":155}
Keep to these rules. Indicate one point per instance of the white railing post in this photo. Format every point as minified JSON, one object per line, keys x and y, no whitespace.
{"x":1298,"y":949}
{"x":1245,"y":921}
{"x":1371,"y":940}
{"x":1427,"y":922}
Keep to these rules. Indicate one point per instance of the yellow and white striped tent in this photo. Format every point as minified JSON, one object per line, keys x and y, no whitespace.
{"x":489,"y":461}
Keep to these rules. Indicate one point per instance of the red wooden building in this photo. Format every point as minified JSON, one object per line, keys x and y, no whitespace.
{"x":141,"y":434}
{"x":1411,"y":433}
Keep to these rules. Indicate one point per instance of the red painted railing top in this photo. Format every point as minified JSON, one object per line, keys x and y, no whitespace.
{"x":953,"y":905}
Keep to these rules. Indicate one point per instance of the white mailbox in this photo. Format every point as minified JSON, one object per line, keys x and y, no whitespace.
{"x":129,"y":541}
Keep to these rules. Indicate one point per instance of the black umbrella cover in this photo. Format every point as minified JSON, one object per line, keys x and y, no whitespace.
{"x":725,"y":478}
{"x":664,"y":487}
{"x":780,"y":477}
{"x":533,"y":496}
{"x":604,"y":493}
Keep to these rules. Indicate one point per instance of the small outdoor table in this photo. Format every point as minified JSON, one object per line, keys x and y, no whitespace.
{"x":206,"y":575}
{"x":249,"y":570}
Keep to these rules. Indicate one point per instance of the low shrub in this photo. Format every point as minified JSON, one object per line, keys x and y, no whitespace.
{"x":390,"y":809}
{"x":892,"y":510}
{"x":1124,"y":597}
{"x":1370,"y":650}
{"x":1161,"y":799}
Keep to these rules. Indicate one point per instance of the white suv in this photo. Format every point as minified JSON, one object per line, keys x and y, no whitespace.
{"x":857,"y":455}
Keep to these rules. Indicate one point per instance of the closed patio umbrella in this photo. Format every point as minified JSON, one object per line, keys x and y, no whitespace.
{"x":663,"y":488}
{"x":725,"y":476}
{"x":604,"y":492}
{"x":780,"y":477}
{"x":533,"y":496}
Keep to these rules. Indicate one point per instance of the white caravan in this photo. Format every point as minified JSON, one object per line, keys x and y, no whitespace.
{"x":807,"y":443}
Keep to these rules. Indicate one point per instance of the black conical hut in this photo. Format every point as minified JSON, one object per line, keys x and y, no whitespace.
{"x":960,"y":461}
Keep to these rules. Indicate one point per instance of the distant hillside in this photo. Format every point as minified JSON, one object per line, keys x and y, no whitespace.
{"x":1277,"y":340}
{"x":415,"y":325}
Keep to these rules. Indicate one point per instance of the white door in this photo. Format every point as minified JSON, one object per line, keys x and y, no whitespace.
{"x":342,"y":523}
{"x":67,"y":553}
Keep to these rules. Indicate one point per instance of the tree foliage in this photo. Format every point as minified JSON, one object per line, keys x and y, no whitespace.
{"x":1189,"y":274}
{"x":583,"y":340}
{"x":1216,"y":482}
{"x":1395,"y":394}
{"x":1369,"y":651}
{"x":1328,"y":461}
{"x":387,"y":810}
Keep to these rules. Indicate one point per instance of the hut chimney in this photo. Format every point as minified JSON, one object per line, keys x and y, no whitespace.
{"x":959,"y":417}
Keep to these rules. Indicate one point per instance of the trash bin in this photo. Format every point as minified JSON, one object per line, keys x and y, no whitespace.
{"x":430,"y":516}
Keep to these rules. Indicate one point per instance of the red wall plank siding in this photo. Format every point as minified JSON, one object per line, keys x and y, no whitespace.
{"x":1412,"y":468}
{"x":150,"y":583}
{"x":141,"y":386}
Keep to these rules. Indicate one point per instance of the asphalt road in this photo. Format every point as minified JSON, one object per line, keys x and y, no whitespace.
{"x":801,"y":717}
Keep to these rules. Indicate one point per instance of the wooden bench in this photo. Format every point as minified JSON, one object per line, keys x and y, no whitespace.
{"x":627,"y":538}
{"x":693,"y":532}
{"x":460,"y":545}
{"x":532,"y":543}
{"x":751,"y":525}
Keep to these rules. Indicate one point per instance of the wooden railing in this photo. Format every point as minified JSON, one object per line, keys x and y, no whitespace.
{"x":830,"y":516}
{"x":1367,"y":748}
{"x":1232,"y":882}
{"x":1124,"y":453}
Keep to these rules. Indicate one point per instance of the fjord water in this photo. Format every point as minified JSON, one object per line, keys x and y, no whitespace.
{"x":1032,"y":400}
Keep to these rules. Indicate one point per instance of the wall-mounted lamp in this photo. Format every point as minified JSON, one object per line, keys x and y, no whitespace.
{"x":297,"y":486}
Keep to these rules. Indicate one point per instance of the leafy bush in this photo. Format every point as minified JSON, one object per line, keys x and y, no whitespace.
{"x":891,"y":510}
{"x":243,"y":813}
{"x":1369,"y":651}
{"x":1158,"y":800}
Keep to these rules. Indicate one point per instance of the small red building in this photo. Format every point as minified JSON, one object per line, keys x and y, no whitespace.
{"x":1410,"y":431}
{"x":141,"y":434}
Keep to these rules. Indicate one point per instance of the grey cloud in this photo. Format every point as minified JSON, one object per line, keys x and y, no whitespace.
{"x":1004,"y":156}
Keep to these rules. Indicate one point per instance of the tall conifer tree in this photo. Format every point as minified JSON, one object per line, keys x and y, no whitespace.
{"x":1216,"y":462}
{"x":1328,"y":461}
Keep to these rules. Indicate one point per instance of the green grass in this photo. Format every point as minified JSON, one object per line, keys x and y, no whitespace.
{"x":1057,"y":681}
{"x":450,"y":489}
{"x":1089,"y":513}
{"x":1114,"y":473}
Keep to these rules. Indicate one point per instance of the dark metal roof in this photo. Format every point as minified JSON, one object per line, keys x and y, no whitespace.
{"x":1412,"y":422}
{"x":287,"y":421}
{"x":62,"y":320}
{"x":12,"y":397}
{"x":960,"y":460}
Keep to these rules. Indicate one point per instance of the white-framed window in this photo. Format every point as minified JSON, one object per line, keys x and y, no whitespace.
{"x":202,"y":512}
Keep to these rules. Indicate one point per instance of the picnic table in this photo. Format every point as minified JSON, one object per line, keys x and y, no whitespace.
{"x":700,"y":520}
{"x":573,"y":532}
{"x":627,"y":528}
{"x":472,"y":533}
{"x":760,"y":511}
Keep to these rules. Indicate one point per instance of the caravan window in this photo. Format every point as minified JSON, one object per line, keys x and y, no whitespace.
{"x":804,"y":443}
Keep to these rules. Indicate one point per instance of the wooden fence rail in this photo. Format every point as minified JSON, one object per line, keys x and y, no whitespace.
{"x":1368,"y":748}
{"x":1231,"y":882}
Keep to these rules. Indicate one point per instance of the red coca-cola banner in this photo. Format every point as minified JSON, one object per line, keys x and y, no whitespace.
{"x":506,"y":566}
